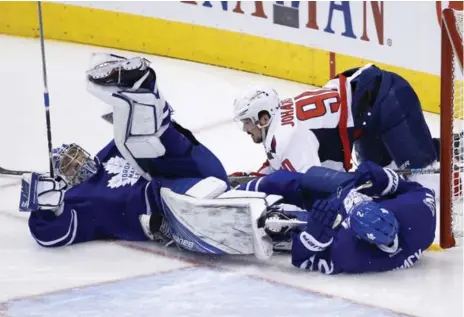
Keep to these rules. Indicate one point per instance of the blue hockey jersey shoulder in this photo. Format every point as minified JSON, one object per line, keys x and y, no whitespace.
{"x":415,"y":211}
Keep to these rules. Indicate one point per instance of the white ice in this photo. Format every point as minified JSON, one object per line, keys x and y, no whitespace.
{"x":134,"y":279}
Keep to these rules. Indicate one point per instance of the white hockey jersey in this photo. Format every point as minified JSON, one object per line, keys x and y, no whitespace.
{"x":311,"y":129}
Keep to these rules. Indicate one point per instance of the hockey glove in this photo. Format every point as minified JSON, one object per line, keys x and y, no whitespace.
{"x":324,"y":217}
{"x":384,"y":180}
{"x":319,"y":232}
{"x":40,"y":192}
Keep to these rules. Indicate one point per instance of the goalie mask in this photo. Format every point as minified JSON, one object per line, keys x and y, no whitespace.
{"x":73,"y":163}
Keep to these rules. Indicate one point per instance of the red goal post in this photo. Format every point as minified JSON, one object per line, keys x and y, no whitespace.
{"x":451,"y":125}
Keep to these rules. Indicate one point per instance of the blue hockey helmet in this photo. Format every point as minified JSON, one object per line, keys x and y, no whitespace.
{"x":374,"y":224}
{"x":73,"y":163}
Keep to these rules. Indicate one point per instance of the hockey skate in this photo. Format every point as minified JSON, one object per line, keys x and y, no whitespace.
{"x":279,"y":224}
{"x":114,"y":70}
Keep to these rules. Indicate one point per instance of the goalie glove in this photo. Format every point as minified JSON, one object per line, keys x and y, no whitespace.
{"x":40,"y":192}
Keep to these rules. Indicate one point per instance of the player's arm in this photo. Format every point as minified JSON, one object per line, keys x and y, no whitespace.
{"x":265,"y":169}
{"x":53,"y":222}
{"x":366,"y":241}
{"x":406,"y":212}
{"x":312,"y":247}
{"x":301,"y":152}
{"x":415,"y":214}
{"x":300,"y":189}
{"x":415,"y":211}
{"x":283,"y":183}
{"x":51,"y":229}
{"x":384,"y":181}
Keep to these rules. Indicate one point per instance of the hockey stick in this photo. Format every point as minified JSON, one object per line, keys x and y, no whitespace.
{"x":46,"y":96}
{"x":239,"y":180}
{"x":292,"y":223}
{"x":417,"y":171}
{"x":4,"y":171}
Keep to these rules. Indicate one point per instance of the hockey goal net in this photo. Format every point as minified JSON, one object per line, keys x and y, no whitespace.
{"x":452,"y":129}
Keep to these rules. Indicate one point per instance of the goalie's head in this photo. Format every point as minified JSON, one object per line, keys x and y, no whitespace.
{"x":255,"y":109}
{"x":73,"y":163}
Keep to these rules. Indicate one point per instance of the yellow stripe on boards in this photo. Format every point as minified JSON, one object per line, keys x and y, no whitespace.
{"x":427,"y":86}
{"x":167,"y":38}
{"x":195,"y":43}
{"x":434,"y":247}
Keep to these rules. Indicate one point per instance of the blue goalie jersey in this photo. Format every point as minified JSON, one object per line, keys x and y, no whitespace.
{"x":107,"y":206}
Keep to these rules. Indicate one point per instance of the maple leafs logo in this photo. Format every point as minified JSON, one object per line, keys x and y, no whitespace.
{"x":124,"y":174}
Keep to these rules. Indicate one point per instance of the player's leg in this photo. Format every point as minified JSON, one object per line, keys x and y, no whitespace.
{"x":283,"y":183}
{"x":143,"y":130}
{"x":202,"y":217}
{"x":370,"y":147}
{"x":321,"y":183}
{"x":184,"y":157}
{"x":402,"y":126}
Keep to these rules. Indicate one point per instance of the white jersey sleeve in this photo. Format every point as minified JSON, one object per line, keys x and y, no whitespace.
{"x":301,"y":152}
{"x":265,"y":169}
{"x":289,"y":144}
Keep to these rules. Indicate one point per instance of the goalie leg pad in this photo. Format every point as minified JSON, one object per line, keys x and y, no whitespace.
{"x":140,"y":112}
{"x":138,"y":124}
{"x":210,"y":187}
{"x":134,"y":129}
{"x":217,"y":226}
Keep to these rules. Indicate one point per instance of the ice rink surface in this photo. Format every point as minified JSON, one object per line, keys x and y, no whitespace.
{"x":144,"y":279}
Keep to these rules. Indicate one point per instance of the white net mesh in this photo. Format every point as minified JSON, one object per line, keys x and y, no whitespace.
{"x":458,"y":17}
{"x":458,"y":142}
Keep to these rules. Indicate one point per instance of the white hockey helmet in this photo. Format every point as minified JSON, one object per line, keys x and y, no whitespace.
{"x":254,"y":100}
